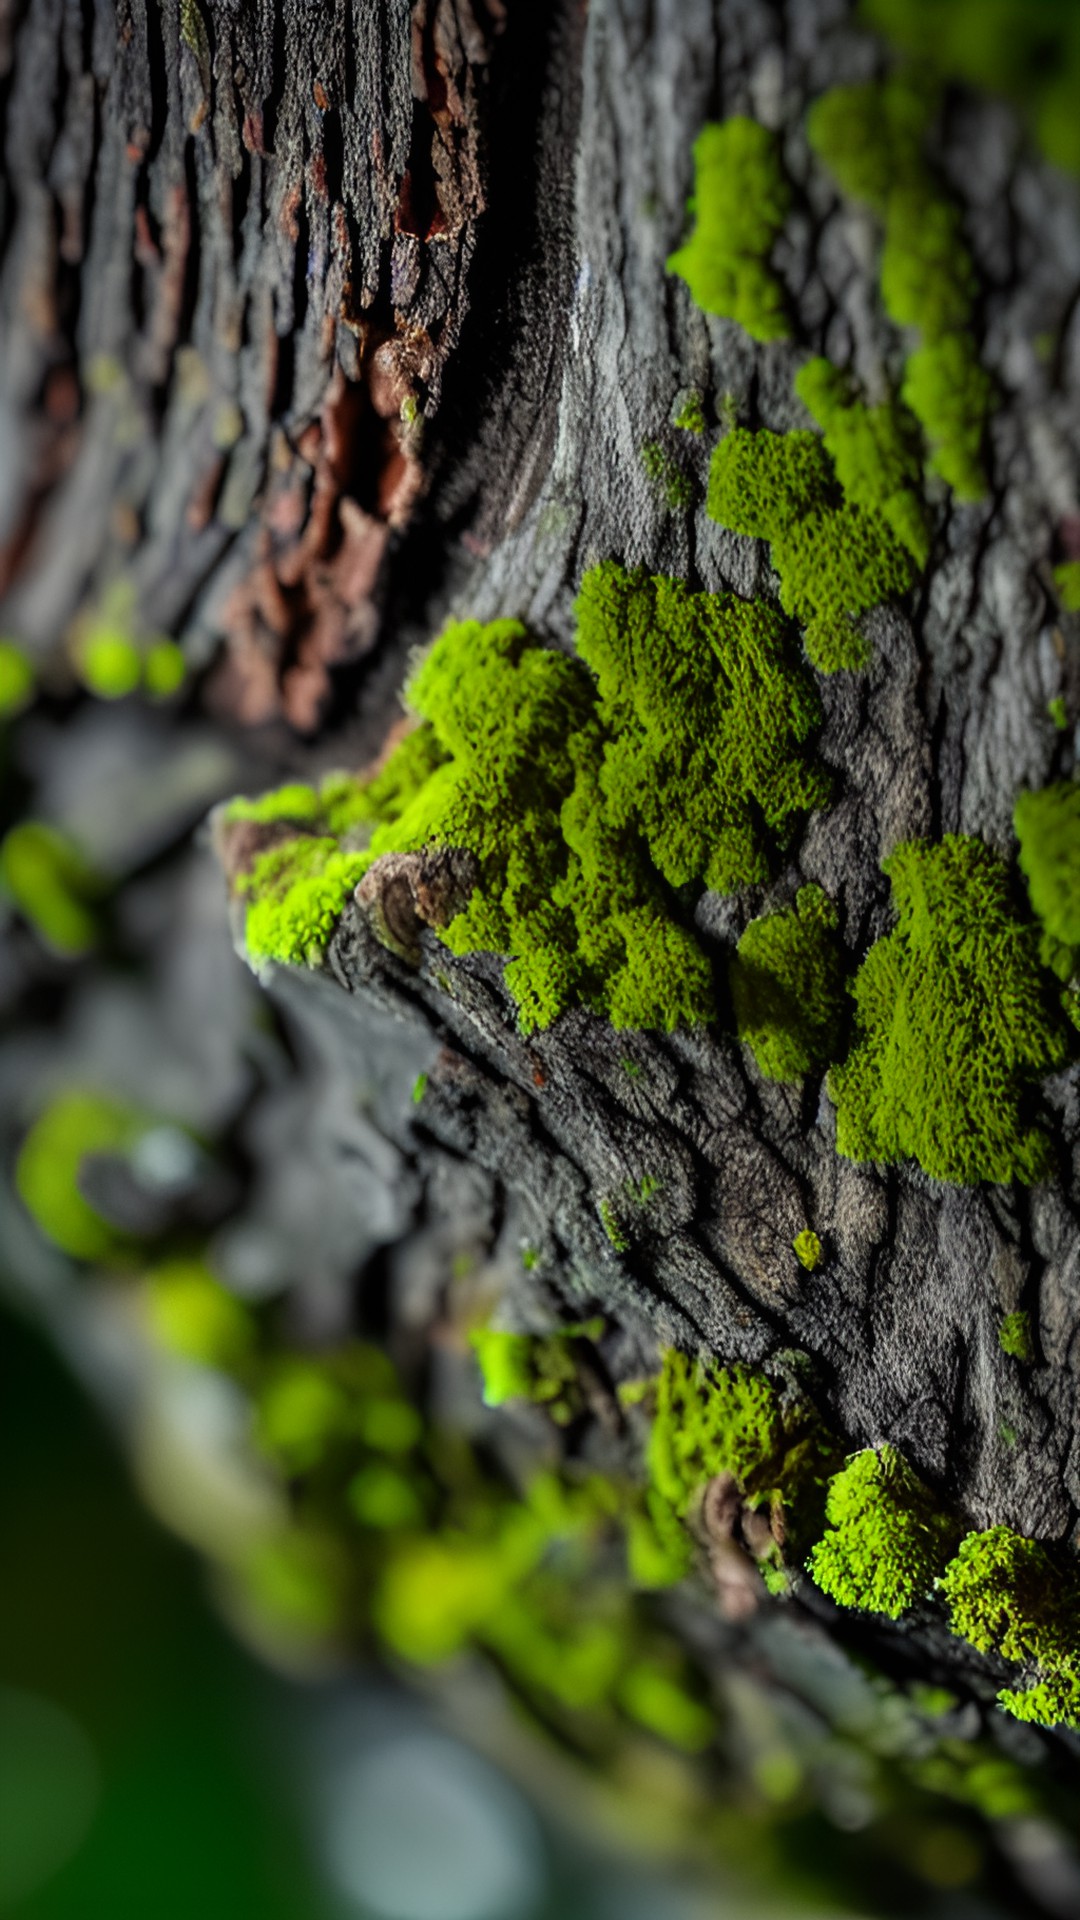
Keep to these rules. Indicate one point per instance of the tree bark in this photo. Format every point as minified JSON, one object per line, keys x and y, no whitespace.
{"x":324,"y":323}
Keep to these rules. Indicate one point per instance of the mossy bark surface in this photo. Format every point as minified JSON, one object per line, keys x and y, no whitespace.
{"x":327,"y":325}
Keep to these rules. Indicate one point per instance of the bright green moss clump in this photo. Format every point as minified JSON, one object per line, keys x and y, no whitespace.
{"x":874,"y":450}
{"x":1067,"y":582}
{"x":871,"y":137}
{"x":1014,"y":1335}
{"x":537,"y":1367}
{"x":836,"y":559}
{"x":1006,"y":1595}
{"x":670,"y":754}
{"x":739,"y":202}
{"x":297,"y":892}
{"x":47,"y":1172}
{"x":192,"y":1314}
{"x":16,"y":680}
{"x":1048,"y":829}
{"x":708,"y":1421}
{"x":45,"y":875}
{"x":887,"y":1541}
{"x":787,"y":987}
{"x":953,"y":1025}
{"x":1028,"y":50}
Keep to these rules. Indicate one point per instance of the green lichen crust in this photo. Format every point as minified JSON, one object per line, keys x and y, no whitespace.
{"x":871,"y":137}
{"x":887,"y":1541}
{"x":836,"y":558}
{"x":953,"y":1024}
{"x":1048,"y":828}
{"x":738,"y":205}
{"x":787,"y":986}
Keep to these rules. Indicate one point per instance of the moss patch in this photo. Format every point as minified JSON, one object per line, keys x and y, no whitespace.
{"x":76,"y":1125}
{"x":1048,"y":828}
{"x":1014,"y":1335}
{"x":541,"y":1368}
{"x":47,"y":878}
{"x":953,"y":1025}
{"x":887,"y":1540}
{"x":836,"y":559}
{"x":738,"y":205}
{"x":871,"y":137}
{"x":787,"y":987}
{"x":670,"y":755}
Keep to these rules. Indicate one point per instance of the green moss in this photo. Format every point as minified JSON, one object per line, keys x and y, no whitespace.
{"x":192,"y":1314}
{"x":1014,"y":1335}
{"x":657,"y":1701}
{"x":787,"y":987}
{"x":1053,"y":1702}
{"x":1058,"y":712}
{"x":871,"y":137}
{"x":383,"y":1497}
{"x":613,"y":1227}
{"x":738,"y":206}
{"x":671,"y":754}
{"x":308,"y":1407}
{"x":688,"y":412}
{"x":419,"y":1088}
{"x":1048,"y":828}
{"x":164,"y":669}
{"x":675,"y":487}
{"x":712,"y":1420}
{"x":887,"y":1541}
{"x":76,"y":1125}
{"x":706,"y":720}
{"x":1028,"y":50}
{"x":109,"y":662}
{"x":807,"y":1249}
{"x":1006,"y":1595}
{"x":542,"y":1368}
{"x":835,"y":559}
{"x":16,"y":679}
{"x":296,"y":894}
{"x":1067,"y":582}
{"x":875,"y":453}
{"x":953,"y":1025}
{"x":951,"y":394}
{"x":44,"y":873}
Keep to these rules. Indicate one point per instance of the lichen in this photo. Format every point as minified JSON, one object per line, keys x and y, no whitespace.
{"x":871,"y":136}
{"x":953,"y":1025}
{"x":738,"y":205}
{"x":836,"y":559}
{"x":787,"y":987}
{"x":53,"y":886}
{"x":887,"y":1540}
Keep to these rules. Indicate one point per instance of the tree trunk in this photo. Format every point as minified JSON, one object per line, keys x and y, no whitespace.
{"x":323,"y":324}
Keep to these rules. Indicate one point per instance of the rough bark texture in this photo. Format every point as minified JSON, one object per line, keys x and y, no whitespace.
{"x":235,"y":241}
